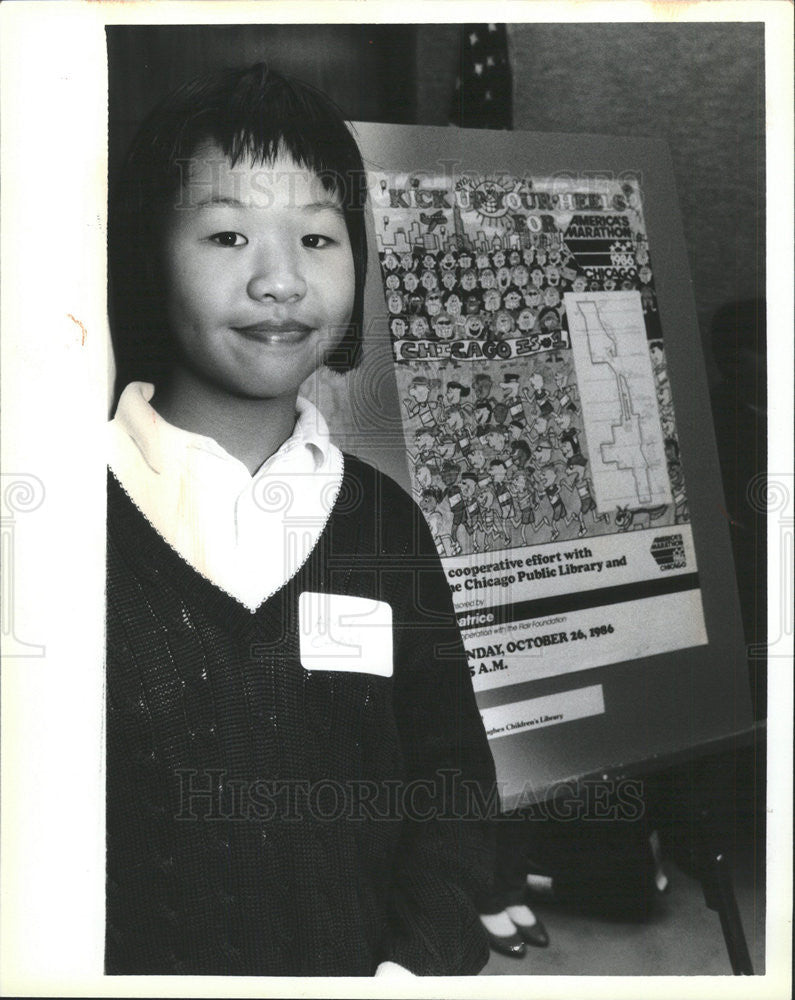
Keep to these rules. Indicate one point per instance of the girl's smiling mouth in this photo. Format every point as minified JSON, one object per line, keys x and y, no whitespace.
{"x":290,"y":332}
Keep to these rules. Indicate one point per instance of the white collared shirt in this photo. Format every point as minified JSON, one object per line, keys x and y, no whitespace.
{"x":246,"y":534}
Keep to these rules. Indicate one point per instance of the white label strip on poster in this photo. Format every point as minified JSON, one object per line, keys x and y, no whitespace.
{"x":494,"y":579}
{"x":536,"y":713}
{"x":516,"y":652}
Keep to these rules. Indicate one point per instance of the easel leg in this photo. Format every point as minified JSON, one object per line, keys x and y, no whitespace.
{"x":716,"y":880}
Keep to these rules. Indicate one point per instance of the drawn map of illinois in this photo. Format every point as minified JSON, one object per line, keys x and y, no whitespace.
{"x":619,"y":399}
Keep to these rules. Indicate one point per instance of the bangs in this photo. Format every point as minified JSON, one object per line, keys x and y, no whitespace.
{"x":260,"y":116}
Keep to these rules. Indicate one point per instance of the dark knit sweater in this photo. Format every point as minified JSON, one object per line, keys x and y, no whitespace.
{"x":257,"y":815}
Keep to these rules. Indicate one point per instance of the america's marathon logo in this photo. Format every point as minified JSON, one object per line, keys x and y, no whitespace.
{"x":668,"y":552}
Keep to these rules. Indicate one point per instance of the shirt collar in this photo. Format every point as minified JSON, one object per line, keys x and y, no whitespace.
{"x":161,"y":443}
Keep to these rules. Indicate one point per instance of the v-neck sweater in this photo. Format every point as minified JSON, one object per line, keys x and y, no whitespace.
{"x":266,"y":819}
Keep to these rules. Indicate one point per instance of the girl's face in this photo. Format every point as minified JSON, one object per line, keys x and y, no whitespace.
{"x":410,"y":281}
{"x":259,"y":274}
{"x":394,"y":303}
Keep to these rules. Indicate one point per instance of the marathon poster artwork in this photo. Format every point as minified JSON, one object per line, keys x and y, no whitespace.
{"x":538,"y":417}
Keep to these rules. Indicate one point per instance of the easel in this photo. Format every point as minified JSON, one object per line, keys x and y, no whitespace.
{"x":685,"y":801}
{"x":708,"y":861}
{"x":716,"y":880}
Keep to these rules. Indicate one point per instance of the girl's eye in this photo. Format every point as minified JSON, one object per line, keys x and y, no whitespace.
{"x":229,"y":239}
{"x":314,"y":241}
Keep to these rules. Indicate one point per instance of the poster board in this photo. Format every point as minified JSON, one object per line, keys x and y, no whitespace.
{"x":595,"y":587}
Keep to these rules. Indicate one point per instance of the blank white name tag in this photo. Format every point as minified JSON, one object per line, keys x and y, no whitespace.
{"x":338,"y":632}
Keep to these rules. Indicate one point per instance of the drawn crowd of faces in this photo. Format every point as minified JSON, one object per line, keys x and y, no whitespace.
{"x":499,"y":457}
{"x":498,"y":294}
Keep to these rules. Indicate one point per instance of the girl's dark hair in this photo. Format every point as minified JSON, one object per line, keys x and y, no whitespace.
{"x":255,"y":114}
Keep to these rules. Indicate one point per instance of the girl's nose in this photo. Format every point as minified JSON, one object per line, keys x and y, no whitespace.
{"x":277,"y":277}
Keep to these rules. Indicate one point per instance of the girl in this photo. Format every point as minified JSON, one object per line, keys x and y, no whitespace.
{"x":292,"y":737}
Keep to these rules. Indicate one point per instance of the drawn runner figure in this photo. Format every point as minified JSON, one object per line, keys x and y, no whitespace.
{"x":539,"y":395}
{"x":455,"y":499}
{"x":520,"y":454}
{"x":419,"y":406}
{"x":677,"y":477}
{"x":502,"y":491}
{"x":565,"y":394}
{"x":477,"y":463}
{"x":576,"y":464}
{"x":549,"y":483}
{"x":491,"y":524}
{"x":425,"y":445}
{"x":459,"y":431}
{"x":543,"y":454}
{"x":543,"y":429}
{"x":472,"y":520}
{"x":445,"y":447}
{"x":525,"y":504}
{"x":510,"y":391}
{"x":584,"y":490}
{"x":497,"y":439}
{"x":454,"y":395}
{"x":570,"y":447}
{"x":429,"y":504}
{"x":423,"y":478}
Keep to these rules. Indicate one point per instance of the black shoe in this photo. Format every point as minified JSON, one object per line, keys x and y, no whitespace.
{"x":534,"y":934}
{"x":512,"y":946}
